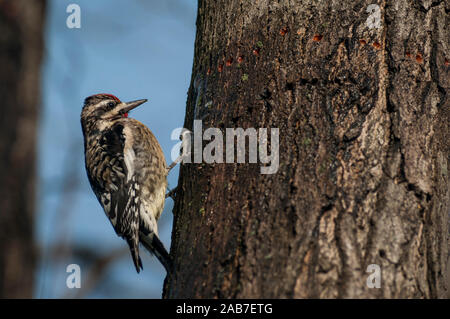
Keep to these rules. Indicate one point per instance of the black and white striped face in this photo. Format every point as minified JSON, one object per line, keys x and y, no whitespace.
{"x":106,"y":107}
{"x":101,"y":107}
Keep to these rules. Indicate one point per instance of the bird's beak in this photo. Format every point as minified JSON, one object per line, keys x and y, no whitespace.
{"x":128,"y":106}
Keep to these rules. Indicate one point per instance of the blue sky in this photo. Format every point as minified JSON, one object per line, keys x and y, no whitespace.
{"x":133,"y":49}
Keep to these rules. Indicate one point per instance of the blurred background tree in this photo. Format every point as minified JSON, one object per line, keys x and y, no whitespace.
{"x":21,"y":48}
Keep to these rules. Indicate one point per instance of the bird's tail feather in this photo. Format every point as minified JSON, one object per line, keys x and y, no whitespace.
{"x":134,"y":249}
{"x":156,"y":247}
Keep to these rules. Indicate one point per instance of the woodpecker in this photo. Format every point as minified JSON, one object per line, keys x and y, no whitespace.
{"x":127,"y":172}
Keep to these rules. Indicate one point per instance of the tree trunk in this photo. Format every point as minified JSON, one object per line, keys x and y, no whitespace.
{"x":21,"y":27}
{"x":363,"y":175}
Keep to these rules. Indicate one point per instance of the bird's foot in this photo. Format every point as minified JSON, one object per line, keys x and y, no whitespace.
{"x":172,"y":193}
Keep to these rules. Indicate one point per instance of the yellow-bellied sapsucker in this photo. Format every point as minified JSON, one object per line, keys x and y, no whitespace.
{"x":127,"y":172}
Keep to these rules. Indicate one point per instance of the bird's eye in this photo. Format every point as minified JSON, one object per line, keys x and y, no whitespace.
{"x":111,"y":105}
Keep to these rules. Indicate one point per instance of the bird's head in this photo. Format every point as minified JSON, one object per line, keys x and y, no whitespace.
{"x":106,"y":107}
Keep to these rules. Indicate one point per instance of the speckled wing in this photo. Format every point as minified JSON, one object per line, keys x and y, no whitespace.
{"x":146,"y":160}
{"x":115,"y":190}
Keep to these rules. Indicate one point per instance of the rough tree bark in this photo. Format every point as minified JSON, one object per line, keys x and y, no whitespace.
{"x":363,"y":115}
{"x":21,"y":27}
